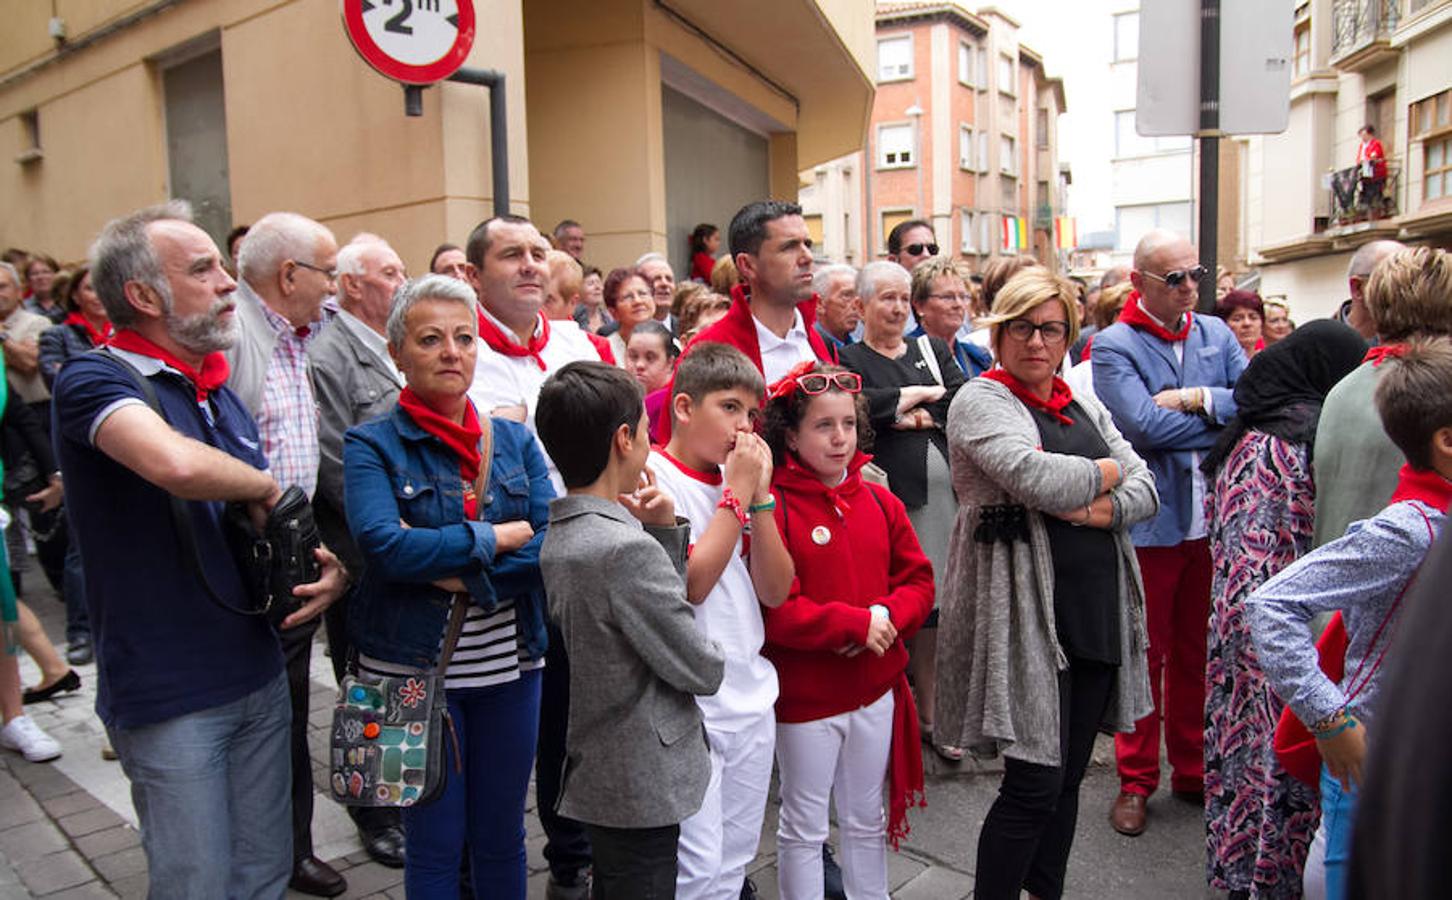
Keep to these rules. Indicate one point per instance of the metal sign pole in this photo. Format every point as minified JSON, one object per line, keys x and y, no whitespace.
{"x":1209,"y":148}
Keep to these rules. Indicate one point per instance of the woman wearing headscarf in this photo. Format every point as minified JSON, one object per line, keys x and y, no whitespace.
{"x":1259,"y":820}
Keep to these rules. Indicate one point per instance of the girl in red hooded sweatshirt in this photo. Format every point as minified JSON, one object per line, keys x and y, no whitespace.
{"x":846,"y":723}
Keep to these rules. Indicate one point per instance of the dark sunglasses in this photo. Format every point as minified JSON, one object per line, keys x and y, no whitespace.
{"x":1176,"y":278}
{"x":917,"y":249}
{"x":816,"y":383}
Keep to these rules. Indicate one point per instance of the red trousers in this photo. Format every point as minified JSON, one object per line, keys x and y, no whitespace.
{"x":1177,"y":615}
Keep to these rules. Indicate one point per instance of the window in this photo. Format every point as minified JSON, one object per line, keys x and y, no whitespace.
{"x":965,"y":148}
{"x":30,"y":146}
{"x":814,"y":229}
{"x":1041,"y":129}
{"x":1007,"y":155}
{"x":965,"y":64}
{"x":895,"y":58}
{"x":1008,"y":192}
{"x":983,"y":151}
{"x":1128,"y":142}
{"x":1301,"y":61}
{"x":1007,"y":83}
{"x":1431,"y":123}
{"x":894,"y":146}
{"x":1126,"y":36}
{"x":966,"y":222}
{"x":1432,"y":114}
{"x":1134,"y":222}
{"x":890,"y":220}
{"x":1437,"y":169}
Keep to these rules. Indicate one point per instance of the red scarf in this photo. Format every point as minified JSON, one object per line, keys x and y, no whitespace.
{"x":1135,"y":317}
{"x":904,"y":762}
{"x":97,"y":337}
{"x":1382,"y":352}
{"x":1060,"y":395}
{"x":499,"y":342}
{"x":462,"y":439}
{"x":1424,"y":485}
{"x":212,"y":375}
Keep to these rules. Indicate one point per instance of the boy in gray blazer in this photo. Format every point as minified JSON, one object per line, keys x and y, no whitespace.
{"x":636,"y":762}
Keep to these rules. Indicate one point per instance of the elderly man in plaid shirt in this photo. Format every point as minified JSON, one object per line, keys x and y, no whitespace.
{"x":287,"y":267}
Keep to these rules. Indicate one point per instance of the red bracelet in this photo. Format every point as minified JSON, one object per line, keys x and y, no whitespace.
{"x":730,"y":501}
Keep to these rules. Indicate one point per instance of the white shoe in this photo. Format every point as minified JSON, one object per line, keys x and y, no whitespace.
{"x":25,"y":737}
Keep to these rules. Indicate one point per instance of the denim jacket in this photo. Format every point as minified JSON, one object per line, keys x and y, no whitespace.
{"x":394,"y":470}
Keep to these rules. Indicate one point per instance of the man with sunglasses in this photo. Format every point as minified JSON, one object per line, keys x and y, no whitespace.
{"x":911,"y":242}
{"x":286,"y":268}
{"x":1167,"y":375}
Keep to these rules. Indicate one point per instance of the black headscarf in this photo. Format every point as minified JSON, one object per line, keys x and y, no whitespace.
{"x":1280,"y":393}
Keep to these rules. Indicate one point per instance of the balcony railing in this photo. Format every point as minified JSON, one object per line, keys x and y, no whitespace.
{"x":1356,"y":24}
{"x":1355,"y":198}
{"x":1044,"y":216}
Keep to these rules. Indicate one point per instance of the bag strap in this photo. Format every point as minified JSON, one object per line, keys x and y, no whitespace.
{"x":925,"y":349}
{"x":459,"y":607}
{"x":181,"y":514}
{"x":1357,"y":684}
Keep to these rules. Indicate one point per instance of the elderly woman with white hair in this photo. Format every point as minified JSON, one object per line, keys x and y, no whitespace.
{"x":909,"y":384}
{"x":450,"y":509}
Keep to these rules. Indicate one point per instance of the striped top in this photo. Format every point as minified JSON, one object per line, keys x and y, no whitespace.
{"x":487,"y":654}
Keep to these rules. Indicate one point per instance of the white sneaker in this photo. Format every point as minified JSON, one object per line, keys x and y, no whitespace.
{"x":25,"y":737}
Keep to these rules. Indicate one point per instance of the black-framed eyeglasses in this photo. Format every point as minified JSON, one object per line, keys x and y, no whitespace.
{"x":917,"y":249}
{"x":1176,"y":278}
{"x":330,"y":274}
{"x":1022,"y":330}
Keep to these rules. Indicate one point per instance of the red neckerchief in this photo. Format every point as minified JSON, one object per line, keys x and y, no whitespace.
{"x":463,"y":439}
{"x":97,"y":337}
{"x":212,"y":375}
{"x":1135,"y":317}
{"x":794,"y":475}
{"x":1060,"y":395}
{"x":1424,"y":485}
{"x":1381,"y":352}
{"x":499,"y":342}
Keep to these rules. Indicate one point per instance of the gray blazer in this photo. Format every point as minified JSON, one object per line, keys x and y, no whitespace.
{"x":636,"y":753}
{"x":249,"y":357}
{"x":351,"y":385}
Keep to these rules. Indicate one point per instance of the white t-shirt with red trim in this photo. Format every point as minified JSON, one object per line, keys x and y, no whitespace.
{"x":730,"y":614}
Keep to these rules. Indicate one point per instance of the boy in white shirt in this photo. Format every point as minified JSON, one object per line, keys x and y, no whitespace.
{"x":719,"y":473}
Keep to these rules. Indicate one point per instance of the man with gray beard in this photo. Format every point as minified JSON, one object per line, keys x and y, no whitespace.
{"x":192,"y":693}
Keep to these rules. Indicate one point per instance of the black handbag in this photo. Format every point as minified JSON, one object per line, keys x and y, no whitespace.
{"x":271,"y":563}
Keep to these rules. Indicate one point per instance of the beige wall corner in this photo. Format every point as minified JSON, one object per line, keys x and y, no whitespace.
{"x":784,"y":180}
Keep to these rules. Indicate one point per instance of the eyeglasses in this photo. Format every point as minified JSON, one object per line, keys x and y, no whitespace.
{"x":816,"y":383}
{"x":917,"y":249}
{"x":1022,"y":330}
{"x":1176,"y":278}
{"x":330,"y":274}
{"x":962,"y":298}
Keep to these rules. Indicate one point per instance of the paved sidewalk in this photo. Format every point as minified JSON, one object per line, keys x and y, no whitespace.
{"x":67,"y":828}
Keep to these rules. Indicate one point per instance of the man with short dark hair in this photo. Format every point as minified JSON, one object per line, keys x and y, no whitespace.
{"x":911,"y":242}
{"x":192,"y":693}
{"x":570,"y":237}
{"x":1167,"y":376}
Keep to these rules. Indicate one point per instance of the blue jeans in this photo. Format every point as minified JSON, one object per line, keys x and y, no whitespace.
{"x":1338,"y":815}
{"x":211,"y":790}
{"x":483,"y":805}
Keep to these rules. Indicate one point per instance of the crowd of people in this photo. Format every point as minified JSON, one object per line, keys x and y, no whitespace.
{"x":662,"y":539}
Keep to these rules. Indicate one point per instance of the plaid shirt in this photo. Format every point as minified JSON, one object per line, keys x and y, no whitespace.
{"x":288,"y":420}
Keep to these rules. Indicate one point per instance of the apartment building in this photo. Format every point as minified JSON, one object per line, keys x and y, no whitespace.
{"x":963,"y":133}
{"x":639,"y":118}
{"x":1387,"y":63}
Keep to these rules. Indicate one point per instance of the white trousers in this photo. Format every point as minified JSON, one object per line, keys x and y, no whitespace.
{"x":720,"y":840}
{"x":843,"y":757}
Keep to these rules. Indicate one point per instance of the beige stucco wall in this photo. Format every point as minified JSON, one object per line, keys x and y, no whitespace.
{"x":1315,"y":286}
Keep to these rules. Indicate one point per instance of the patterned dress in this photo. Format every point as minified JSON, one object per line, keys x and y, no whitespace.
{"x":1259,"y":820}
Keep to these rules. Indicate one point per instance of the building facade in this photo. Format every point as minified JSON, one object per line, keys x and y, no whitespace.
{"x":638,"y":118}
{"x":1387,"y":63}
{"x":963,"y":133}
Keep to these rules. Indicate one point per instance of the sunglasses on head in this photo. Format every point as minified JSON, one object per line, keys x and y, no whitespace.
{"x":1176,"y":278}
{"x":917,"y":249}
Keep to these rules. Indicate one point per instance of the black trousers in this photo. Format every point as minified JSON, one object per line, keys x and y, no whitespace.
{"x":369,"y":819}
{"x":297,"y":644}
{"x":1027,"y":834}
{"x":567,"y":846}
{"x":634,"y":863}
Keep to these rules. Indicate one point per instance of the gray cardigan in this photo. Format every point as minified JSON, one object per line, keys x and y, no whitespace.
{"x":249,"y":357}
{"x":998,"y":650}
{"x":636,"y":754}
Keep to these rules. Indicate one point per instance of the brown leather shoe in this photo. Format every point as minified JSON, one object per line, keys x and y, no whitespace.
{"x":1127,"y":815}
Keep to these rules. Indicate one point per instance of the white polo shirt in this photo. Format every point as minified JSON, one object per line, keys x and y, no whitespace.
{"x":778,"y":355}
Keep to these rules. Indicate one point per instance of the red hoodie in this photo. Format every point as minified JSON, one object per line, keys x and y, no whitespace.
{"x":853,"y":546}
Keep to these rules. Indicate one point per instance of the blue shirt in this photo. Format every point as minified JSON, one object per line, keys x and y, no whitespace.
{"x":972,"y":359}
{"x":163,"y":647}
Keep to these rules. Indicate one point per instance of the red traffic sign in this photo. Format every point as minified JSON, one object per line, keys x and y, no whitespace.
{"x":412,"y":41}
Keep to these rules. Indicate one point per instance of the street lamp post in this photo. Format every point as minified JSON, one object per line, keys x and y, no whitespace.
{"x":915,"y":113}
